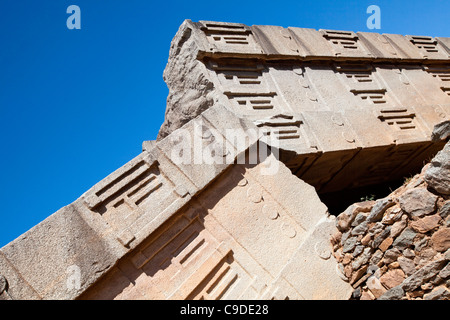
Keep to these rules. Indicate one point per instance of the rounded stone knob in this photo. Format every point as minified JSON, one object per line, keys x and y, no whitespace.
{"x":322,"y":250}
{"x":243,"y":182}
{"x":254,"y":194}
{"x":288,"y":230}
{"x":270,"y":211}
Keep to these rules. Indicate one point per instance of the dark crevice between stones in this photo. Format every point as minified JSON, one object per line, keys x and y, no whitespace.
{"x":338,"y":201}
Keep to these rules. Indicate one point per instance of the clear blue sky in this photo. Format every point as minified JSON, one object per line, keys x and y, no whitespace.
{"x":76,"y":104}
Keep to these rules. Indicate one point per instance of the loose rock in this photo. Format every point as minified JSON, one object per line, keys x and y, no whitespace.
{"x":375,"y":286}
{"x":395,"y":293}
{"x":407,"y":265}
{"x":405,"y":239}
{"x":439,"y":293}
{"x":437,"y":175}
{"x":398,"y":227}
{"x":418,"y":202}
{"x":392,"y":278}
{"x":379,"y":208}
{"x":426,"y":224}
{"x":350,"y":244}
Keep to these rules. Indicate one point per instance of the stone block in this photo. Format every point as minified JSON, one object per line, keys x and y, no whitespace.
{"x":240,"y":230}
{"x":403,"y":46}
{"x":277,"y":41}
{"x":55,"y":252}
{"x":307,"y":265}
{"x":418,"y":202}
{"x":225,"y":37}
{"x":378,"y":45}
{"x":12,"y":285}
{"x":438,"y":173}
{"x":429,"y":47}
{"x":312,"y":42}
{"x":445,"y":42}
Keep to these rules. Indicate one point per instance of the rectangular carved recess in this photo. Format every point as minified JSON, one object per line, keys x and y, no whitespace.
{"x":249,"y":94}
{"x":442,"y":73}
{"x":124,"y":196}
{"x":375,"y":96}
{"x":399,"y":118}
{"x":258,"y":103}
{"x":133,"y":188}
{"x":427,"y":44}
{"x":342,"y":39}
{"x":198,"y":265}
{"x":255,"y":102}
{"x":282,"y":127}
{"x":227,"y":34}
{"x":360,"y":80}
{"x":238,"y":73}
{"x":361,"y":73}
{"x":218,"y":281}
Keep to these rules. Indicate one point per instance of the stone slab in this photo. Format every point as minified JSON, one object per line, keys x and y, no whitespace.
{"x":46,"y":255}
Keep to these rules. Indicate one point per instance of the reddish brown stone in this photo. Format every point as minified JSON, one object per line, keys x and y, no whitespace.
{"x":385,"y":244}
{"x":347,"y":258}
{"x":441,"y":239}
{"x":392,"y":278}
{"x":426,"y":224}
{"x":366,"y":239}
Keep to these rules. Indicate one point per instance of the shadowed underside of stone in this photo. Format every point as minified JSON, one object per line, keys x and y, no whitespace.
{"x":339,"y":109}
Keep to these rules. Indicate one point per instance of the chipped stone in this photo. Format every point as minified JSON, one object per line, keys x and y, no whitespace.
{"x":437,"y":175}
{"x":418,"y":202}
{"x":350,"y":244}
{"x":392,"y":215}
{"x":360,"y":229}
{"x":398,"y":227}
{"x":419,"y":245}
{"x":439,"y":293}
{"x":405,"y":239}
{"x":395,"y":293}
{"x":444,"y":212}
{"x":392,"y":278}
{"x":381,"y":237}
{"x":376,"y":228}
{"x":358,"y":250}
{"x":362,"y":259}
{"x":361,"y":217}
{"x":375,"y":286}
{"x":426,"y":224}
{"x":441,"y":239}
{"x":407,"y":265}
{"x":391,"y":255}
{"x":379,"y":208}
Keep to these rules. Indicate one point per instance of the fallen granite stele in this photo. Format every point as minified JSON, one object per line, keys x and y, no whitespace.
{"x":224,"y":204}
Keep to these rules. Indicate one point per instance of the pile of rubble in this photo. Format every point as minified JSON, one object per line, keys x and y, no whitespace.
{"x":398,"y":247}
